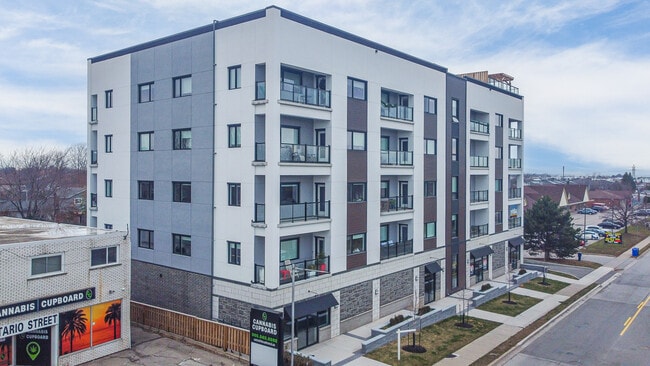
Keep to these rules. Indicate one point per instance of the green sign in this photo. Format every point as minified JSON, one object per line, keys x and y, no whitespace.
{"x":34,"y":348}
{"x":266,"y":337}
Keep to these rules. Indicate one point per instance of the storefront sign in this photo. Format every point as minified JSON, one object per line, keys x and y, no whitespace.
{"x":266,"y":337}
{"x":28,"y":325}
{"x":34,"y":348}
{"x":35,"y":305}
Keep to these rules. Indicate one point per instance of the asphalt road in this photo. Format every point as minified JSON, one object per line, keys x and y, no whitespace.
{"x":610,"y":328}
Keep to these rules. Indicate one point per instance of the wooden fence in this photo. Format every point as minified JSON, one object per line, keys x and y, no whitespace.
{"x":201,"y":330}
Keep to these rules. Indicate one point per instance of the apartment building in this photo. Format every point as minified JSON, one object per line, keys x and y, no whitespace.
{"x":247,"y":149}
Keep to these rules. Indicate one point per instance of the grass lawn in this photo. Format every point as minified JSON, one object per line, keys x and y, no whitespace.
{"x":536,"y":285}
{"x":634,"y":235}
{"x":440,"y":340}
{"x":562,"y":274}
{"x":522,"y":303}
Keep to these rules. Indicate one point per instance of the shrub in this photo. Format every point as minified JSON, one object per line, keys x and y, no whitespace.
{"x":423,"y":310}
{"x":396,"y":320}
{"x":522,"y":271}
{"x":298,"y":359}
{"x":485,"y":287}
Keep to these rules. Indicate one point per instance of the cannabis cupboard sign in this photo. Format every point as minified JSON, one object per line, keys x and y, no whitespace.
{"x":266,"y":337}
{"x":44,"y":303}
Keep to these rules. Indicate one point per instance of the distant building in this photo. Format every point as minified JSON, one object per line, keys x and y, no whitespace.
{"x":571,"y":196}
{"x":65,"y":293}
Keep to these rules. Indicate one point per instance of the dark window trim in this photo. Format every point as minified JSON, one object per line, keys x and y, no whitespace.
{"x":150,"y":236}
{"x":149,"y":93}
{"x":237,"y":142}
{"x":234,"y":245}
{"x":182,"y":249}
{"x":234,"y":200}
{"x":177,"y":144}
{"x":237,"y":84}
{"x":181,"y":197}
{"x":365,"y":88}
{"x":177,"y":84}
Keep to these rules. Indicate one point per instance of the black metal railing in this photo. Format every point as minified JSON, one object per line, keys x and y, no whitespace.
{"x":514,"y":164}
{"x":304,"y":94}
{"x":397,"y":112}
{"x":514,"y":193}
{"x":478,"y":196}
{"x":478,"y":230}
{"x":301,"y":153}
{"x":514,"y":222}
{"x":389,"y":157}
{"x":480,"y":127}
{"x":304,"y":269}
{"x":260,"y":213}
{"x":304,"y":211}
{"x":392,"y":250}
{"x":515,"y":133}
{"x":260,"y":90}
{"x":398,"y":203}
{"x":478,"y":161}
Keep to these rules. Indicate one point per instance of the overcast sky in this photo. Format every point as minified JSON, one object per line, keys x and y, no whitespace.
{"x":582,"y":66}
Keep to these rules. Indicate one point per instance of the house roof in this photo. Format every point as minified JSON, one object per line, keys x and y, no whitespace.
{"x":563,"y":195}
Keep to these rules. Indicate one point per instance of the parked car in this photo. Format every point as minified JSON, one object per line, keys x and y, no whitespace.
{"x":587,"y":211}
{"x":608,"y":225}
{"x":595,"y":228}
{"x":642,"y":212}
{"x":594,"y":234}
{"x":599,"y":208}
{"x":587,"y":236}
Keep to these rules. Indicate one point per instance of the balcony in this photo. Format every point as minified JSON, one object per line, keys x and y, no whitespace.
{"x":306,"y":211}
{"x":478,"y":230}
{"x":260,"y":151}
{"x":260,"y":213}
{"x":93,"y":200}
{"x":389,"y":157}
{"x":515,"y":134}
{"x":304,"y":95}
{"x":303,"y":268}
{"x":93,"y":114}
{"x":93,"y":157}
{"x":480,"y":127}
{"x":300,"y":153}
{"x":392,"y":250}
{"x":397,"y":112}
{"x":504,"y":86}
{"x":514,"y":164}
{"x":478,"y":196}
{"x":514,"y":222}
{"x":478,"y":161}
{"x":399,"y":203}
{"x":514,"y":193}
{"x":258,"y":276}
{"x":260,"y":90}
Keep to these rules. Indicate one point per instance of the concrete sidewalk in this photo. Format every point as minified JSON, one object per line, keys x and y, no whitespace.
{"x":346,"y":348}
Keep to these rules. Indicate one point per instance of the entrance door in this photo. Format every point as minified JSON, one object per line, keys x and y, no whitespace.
{"x":321,"y":142}
{"x":321,"y":202}
{"x":429,"y":287}
{"x":404,"y":194}
{"x":403,"y":233}
{"x":403,"y":151}
{"x":307,"y":331}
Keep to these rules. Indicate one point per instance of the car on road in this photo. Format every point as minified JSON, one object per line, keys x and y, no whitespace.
{"x":587,"y":211}
{"x":608,"y":225}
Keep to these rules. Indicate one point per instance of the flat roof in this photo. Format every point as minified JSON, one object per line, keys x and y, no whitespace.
{"x":17,"y":230}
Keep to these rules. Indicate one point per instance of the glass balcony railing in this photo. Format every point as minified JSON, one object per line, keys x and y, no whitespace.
{"x":304,"y":95}
{"x":398,"y":203}
{"x":304,"y":269}
{"x":93,"y":157}
{"x":304,"y":211}
{"x":397,"y":112}
{"x":478,"y":161}
{"x":260,"y":90}
{"x":515,"y":133}
{"x":260,"y":151}
{"x":478,"y":230}
{"x":392,"y":250}
{"x":514,"y":193}
{"x":514,"y":164}
{"x":258,"y":274}
{"x":300,"y":153}
{"x":504,"y":86}
{"x":389,"y":157}
{"x":478,"y":196}
{"x":514,"y":222}
{"x":93,"y":200}
{"x":93,"y":114}
{"x":480,"y":127}
{"x":260,"y":213}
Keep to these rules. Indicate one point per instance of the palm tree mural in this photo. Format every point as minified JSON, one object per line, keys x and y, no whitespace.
{"x":72,"y":322}
{"x":113,"y":315}
{"x":4,"y":350}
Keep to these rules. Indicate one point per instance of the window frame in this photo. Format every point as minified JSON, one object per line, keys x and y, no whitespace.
{"x":454,"y":149}
{"x":108,"y":144}
{"x":234,"y":194}
{"x":149,"y":136}
{"x":295,"y":250}
{"x":107,"y":256}
{"x":234,"y":77}
{"x":179,"y":241}
{"x":146,"y":186}
{"x":47,"y":271}
{"x":351,"y":238}
{"x":178,"y":86}
{"x":148,"y":94}
{"x":427,"y":227}
{"x":352,"y":139}
{"x":454,"y":187}
{"x":428,"y":102}
{"x":427,"y":147}
{"x":108,"y":98}
{"x":149,"y":236}
{"x":498,"y":185}
{"x":430,"y":187}
{"x":234,"y":252}
{"x":498,"y":217}
{"x":387,"y":189}
{"x":454,"y":225}
{"x":353,"y":192}
{"x":180,"y":143}
{"x":455,"y":110}
{"x":236,"y":129}
{"x":350,"y":87}
{"x":108,"y":188}
{"x":179,"y":194}
{"x":499,"y":121}
{"x":498,"y":152}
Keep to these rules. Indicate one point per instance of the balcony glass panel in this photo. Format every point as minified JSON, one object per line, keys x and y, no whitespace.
{"x":260,"y":213}
{"x":480,"y":127}
{"x":93,"y":157}
{"x":389,"y":157}
{"x":514,"y":164}
{"x":392,"y":250}
{"x":304,"y":94}
{"x":397,"y":112}
{"x":478,"y":196}
{"x":304,"y":211}
{"x":259,"y":274}
{"x":478,"y":230}
{"x":304,"y":269}
{"x":504,"y":86}
{"x":260,"y":151}
{"x":300,"y":153}
{"x":93,"y":114}
{"x":93,"y":200}
{"x":478,"y":161}
{"x":260,"y":90}
{"x":515,"y":133}
{"x":514,"y":222}
{"x":514,"y":193}
{"x":398,"y":203}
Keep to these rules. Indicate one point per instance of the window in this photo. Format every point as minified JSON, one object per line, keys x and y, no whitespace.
{"x":430,"y":230}
{"x":234,"y":77}
{"x":108,"y":96}
{"x":108,"y":226}
{"x":454,"y":149}
{"x":288,"y":249}
{"x":145,"y":93}
{"x":182,"y":244}
{"x":499,"y":122}
{"x":145,"y":189}
{"x":498,"y":152}
{"x":47,"y":264}
{"x":429,"y":147}
{"x":145,"y":141}
{"x":234,"y":135}
{"x":356,"y":243}
{"x":102,"y":256}
{"x":182,"y":86}
{"x":145,"y":238}
{"x":182,"y":139}
{"x":182,"y":191}
{"x":384,"y":189}
{"x":454,"y":187}
{"x":455,"y":110}
{"x":430,"y":105}
{"x":108,"y":187}
{"x":498,"y":185}
{"x":383,"y":234}
{"x":234,"y":252}
{"x":108,"y":143}
{"x":93,"y":108}
{"x":356,"y":192}
{"x":454,"y":225}
{"x":356,"y":140}
{"x":430,"y":188}
{"x":356,"y":89}
{"x":234,"y":194}
{"x":498,"y":217}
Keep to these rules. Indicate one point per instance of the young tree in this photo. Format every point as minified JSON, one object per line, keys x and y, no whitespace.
{"x":548,"y":228}
{"x":623,"y":211}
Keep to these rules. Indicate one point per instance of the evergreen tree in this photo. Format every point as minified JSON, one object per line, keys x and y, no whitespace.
{"x":548,"y":229}
{"x":628,"y":182}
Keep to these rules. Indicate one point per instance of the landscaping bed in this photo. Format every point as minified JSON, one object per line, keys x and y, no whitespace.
{"x":518,"y":305}
{"x":552,"y":287}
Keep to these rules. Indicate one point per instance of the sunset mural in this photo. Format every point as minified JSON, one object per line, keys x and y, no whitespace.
{"x":74,"y":332}
{"x":89,"y":326}
{"x":107,"y":321}
{"x":5,"y":351}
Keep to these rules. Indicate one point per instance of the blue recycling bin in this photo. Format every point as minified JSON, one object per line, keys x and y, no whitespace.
{"x":635,"y":252}
{"x":579,"y":256}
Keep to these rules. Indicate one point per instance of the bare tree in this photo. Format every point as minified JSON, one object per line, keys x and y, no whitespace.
{"x":77,"y":157}
{"x":30,"y":181}
{"x":623,"y":212}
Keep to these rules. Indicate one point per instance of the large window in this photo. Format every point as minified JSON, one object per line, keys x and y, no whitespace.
{"x":182,"y":191}
{"x":182,"y":86}
{"x":108,"y":98}
{"x":429,"y":147}
{"x":145,"y":141}
{"x":454,"y":187}
{"x":145,"y":93}
{"x":145,"y":238}
{"x":102,"y":256}
{"x":430,"y":230}
{"x":108,"y":143}
{"x":430,"y":188}
{"x":182,"y":244}
{"x":356,"y":89}
{"x":498,"y":217}
{"x":234,"y":77}
{"x":145,"y":189}
{"x":47,"y":264}
{"x":383,"y":234}
{"x":498,"y":152}
{"x":356,"y":192}
{"x":234,"y":194}
{"x":430,"y":105}
{"x":182,"y":139}
{"x":499,"y":121}
{"x":356,"y":140}
{"x":234,"y":252}
{"x":356,"y":243}
{"x":289,"y":249}
{"x":234,"y":135}
{"x":384,"y":189}
{"x":108,"y":187}
{"x":93,"y":108}
{"x":455,"y":110}
{"x":498,"y":185}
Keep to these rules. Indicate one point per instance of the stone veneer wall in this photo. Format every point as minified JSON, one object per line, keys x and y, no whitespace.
{"x":396,"y":286}
{"x":499,"y":259}
{"x":185,"y":292}
{"x":234,"y":312}
{"x":356,"y":299}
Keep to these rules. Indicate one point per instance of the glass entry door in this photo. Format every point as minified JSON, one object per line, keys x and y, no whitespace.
{"x":429,"y":287}
{"x":307,"y":331}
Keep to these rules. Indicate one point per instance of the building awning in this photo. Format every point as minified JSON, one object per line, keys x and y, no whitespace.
{"x":311,"y":306}
{"x":516,"y":241}
{"x":432,"y":267}
{"x":481,"y":252}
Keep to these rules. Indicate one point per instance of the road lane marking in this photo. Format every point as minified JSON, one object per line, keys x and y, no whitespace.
{"x":638,"y":310}
{"x":628,"y":320}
